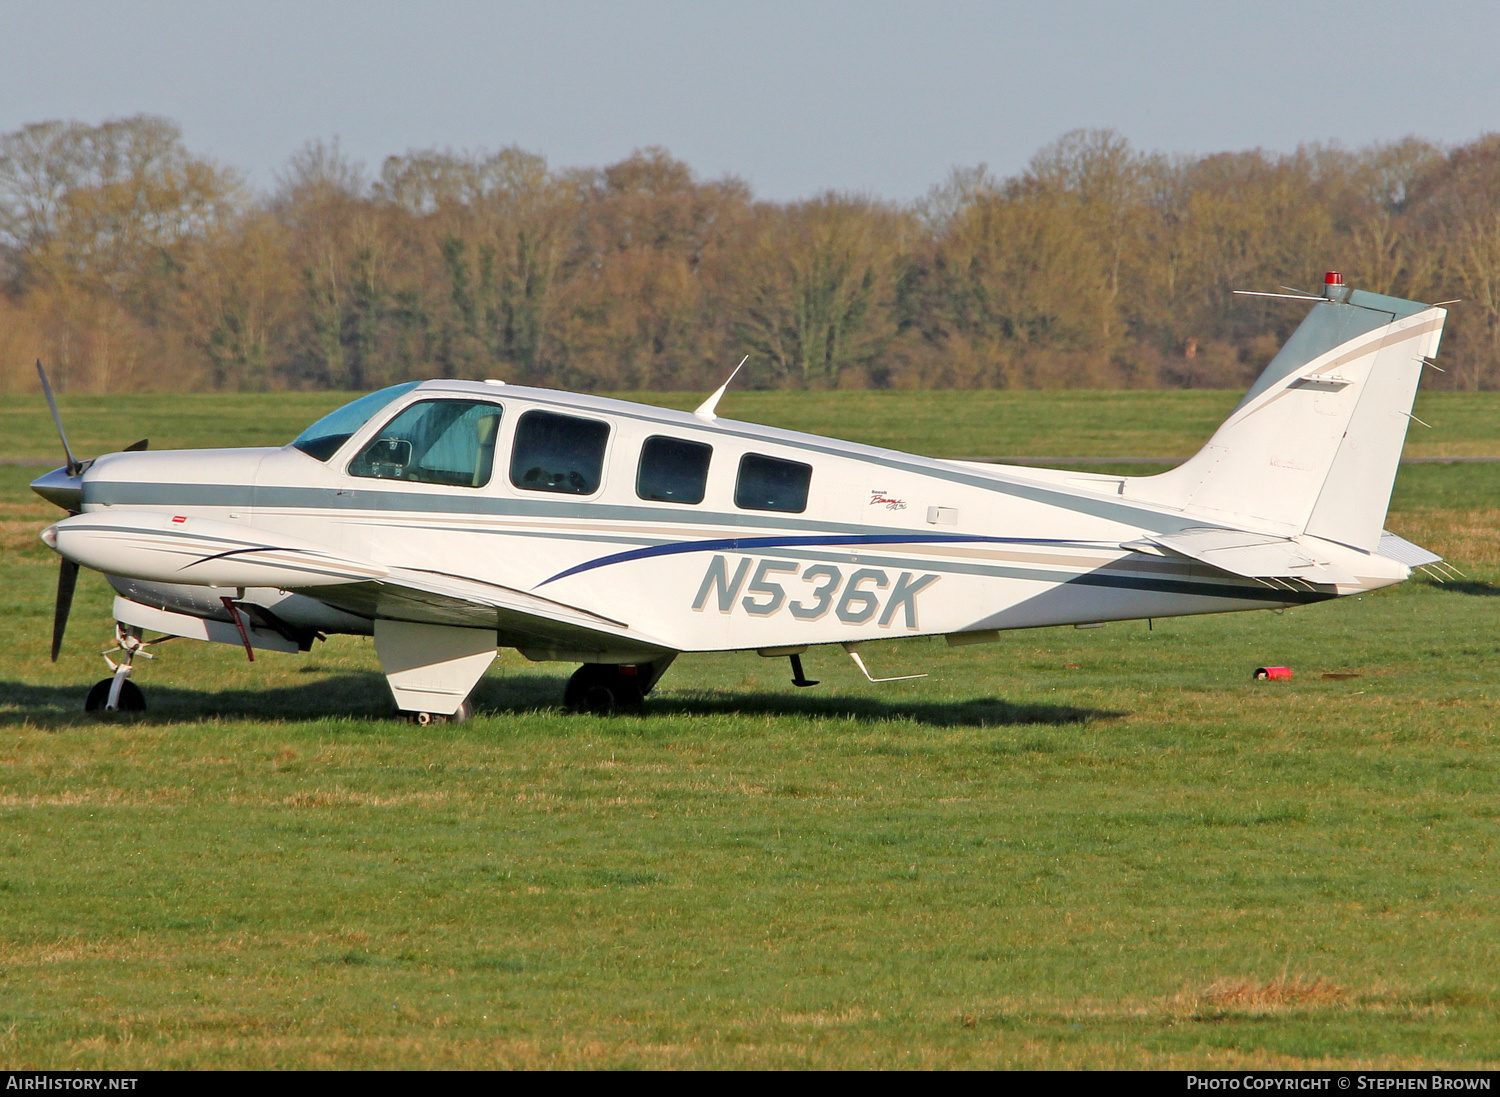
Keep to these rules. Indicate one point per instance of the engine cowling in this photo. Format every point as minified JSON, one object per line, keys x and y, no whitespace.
{"x":175,"y":548}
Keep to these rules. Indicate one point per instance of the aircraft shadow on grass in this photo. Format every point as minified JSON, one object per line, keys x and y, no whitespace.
{"x":362,"y":696}
{"x":1478,"y":588}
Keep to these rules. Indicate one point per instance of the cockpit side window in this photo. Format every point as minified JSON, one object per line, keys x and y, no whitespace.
{"x":449,"y":442}
{"x":559,"y":453}
{"x":768,"y":483}
{"x":323,"y":439}
{"x":672,"y":470}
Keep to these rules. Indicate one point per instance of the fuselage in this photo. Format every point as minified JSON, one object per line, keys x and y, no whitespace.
{"x":694,"y":533}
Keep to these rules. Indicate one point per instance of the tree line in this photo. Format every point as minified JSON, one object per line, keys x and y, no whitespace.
{"x":127,"y":262}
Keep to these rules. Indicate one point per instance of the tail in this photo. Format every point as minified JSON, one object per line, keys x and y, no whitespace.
{"x":1314,"y":445}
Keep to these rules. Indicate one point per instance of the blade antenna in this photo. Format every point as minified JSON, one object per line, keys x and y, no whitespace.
{"x":705,"y":410}
{"x":74,"y":465}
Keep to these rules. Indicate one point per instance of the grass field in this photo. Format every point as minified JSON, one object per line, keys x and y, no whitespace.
{"x":1072,"y":848}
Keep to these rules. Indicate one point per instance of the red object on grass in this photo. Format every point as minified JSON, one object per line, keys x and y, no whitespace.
{"x":1265,"y":673}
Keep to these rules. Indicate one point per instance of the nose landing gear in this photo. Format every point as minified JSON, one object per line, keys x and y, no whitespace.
{"x":118,"y":693}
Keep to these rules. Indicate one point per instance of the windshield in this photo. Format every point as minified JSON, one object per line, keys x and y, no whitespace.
{"x":323,"y":439}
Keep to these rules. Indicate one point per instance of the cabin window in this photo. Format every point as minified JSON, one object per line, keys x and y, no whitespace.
{"x":672,"y":470}
{"x":559,"y":453}
{"x":768,"y":483}
{"x":448,"y":442}
{"x":324,"y":438}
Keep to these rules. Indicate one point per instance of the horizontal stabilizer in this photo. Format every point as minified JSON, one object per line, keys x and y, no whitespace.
{"x":1403,"y":551}
{"x":1253,"y":555}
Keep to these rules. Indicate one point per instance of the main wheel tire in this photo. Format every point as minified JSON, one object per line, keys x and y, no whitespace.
{"x":427,"y":719}
{"x":604,"y":689}
{"x":131,"y":697}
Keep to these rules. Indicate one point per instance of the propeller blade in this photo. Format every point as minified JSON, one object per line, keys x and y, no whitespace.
{"x":67,"y":579}
{"x":136,"y":447}
{"x":74,"y":465}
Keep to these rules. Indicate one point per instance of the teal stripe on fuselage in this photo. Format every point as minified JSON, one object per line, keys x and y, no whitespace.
{"x":376,"y":503}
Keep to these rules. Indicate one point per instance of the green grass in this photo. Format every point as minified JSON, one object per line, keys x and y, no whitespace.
{"x":1102,"y":847}
{"x":943,"y":424}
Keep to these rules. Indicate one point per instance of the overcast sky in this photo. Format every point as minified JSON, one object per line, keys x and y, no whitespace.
{"x":795,"y":98}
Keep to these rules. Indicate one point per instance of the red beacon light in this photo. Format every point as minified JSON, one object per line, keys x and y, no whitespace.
{"x":1333,"y":286}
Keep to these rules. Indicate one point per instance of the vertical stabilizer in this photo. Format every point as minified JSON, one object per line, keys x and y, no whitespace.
{"x":1314,"y":445}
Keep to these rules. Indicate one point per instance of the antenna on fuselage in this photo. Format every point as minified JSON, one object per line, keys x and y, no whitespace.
{"x":705,"y":410}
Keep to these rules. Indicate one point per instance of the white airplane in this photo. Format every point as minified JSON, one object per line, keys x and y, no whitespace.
{"x":449,"y":518}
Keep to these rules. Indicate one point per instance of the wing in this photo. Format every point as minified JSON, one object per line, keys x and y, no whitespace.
{"x":539,"y":627}
{"x":177,"y":549}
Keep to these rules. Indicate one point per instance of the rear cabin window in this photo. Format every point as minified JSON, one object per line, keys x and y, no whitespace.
{"x":559,"y":453}
{"x":672,"y":470}
{"x":768,"y":483}
{"x":448,"y":442}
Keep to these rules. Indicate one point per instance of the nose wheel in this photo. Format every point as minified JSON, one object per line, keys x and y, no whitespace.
{"x":129,"y":699}
{"x":118,"y":693}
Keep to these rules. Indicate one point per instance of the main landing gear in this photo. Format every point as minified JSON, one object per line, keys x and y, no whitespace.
{"x":606,"y":688}
{"x":427,"y":719}
{"x":602,"y":689}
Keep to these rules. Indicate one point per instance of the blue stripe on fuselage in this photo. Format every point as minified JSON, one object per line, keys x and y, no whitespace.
{"x":749,"y":544}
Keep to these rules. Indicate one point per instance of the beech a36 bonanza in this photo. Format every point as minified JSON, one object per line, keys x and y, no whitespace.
{"x":449,"y":518}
